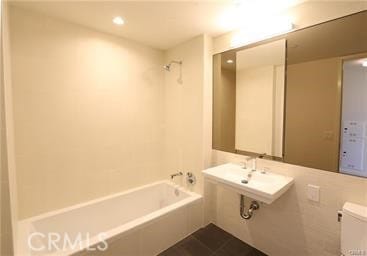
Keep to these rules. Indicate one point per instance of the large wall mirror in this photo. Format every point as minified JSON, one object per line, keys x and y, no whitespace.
{"x":300,"y":98}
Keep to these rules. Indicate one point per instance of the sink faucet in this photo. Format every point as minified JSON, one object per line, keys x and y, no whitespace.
{"x":176,"y":174}
{"x":253,"y":159}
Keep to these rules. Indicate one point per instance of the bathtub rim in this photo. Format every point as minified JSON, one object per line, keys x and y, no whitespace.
{"x":104,"y":198}
{"x":25,"y":225}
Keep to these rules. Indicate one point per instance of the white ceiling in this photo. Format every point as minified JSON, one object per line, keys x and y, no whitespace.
{"x":160,"y":24}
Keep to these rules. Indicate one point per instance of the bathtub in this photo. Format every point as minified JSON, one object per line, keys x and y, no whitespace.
{"x":139,"y":222}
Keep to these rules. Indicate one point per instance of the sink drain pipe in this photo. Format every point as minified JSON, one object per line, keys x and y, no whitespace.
{"x":253,"y":207}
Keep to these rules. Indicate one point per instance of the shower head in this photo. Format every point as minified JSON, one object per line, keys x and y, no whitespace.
{"x":167,"y":67}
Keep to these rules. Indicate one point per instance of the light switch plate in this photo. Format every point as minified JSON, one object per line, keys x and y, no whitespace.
{"x":313,"y":193}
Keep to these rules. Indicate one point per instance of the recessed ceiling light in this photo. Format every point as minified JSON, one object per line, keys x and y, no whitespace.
{"x":229,"y":61}
{"x":118,"y":20}
{"x":364,"y":63}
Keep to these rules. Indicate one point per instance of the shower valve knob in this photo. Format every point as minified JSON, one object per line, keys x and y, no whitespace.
{"x":190,"y":177}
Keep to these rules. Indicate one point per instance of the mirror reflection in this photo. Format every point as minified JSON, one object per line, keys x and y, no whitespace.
{"x":353,"y":151}
{"x":249,"y":100}
{"x":307,"y":109}
{"x":260,"y":98}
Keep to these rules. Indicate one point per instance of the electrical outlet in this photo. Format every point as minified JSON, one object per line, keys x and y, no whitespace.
{"x":313,"y":193}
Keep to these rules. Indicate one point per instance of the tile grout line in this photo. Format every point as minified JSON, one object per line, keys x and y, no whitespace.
{"x":224,"y":244}
{"x":203,"y":244}
{"x":212,"y":252}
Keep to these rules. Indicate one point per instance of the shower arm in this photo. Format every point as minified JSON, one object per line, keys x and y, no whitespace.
{"x":179,"y":62}
{"x":168,"y":66}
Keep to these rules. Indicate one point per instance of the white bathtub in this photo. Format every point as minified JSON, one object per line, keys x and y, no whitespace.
{"x":139,"y":222}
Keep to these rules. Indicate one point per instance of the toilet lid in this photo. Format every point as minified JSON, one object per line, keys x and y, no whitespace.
{"x":356,"y":210}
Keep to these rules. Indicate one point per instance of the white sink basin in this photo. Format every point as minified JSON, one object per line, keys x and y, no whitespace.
{"x":265,"y":187}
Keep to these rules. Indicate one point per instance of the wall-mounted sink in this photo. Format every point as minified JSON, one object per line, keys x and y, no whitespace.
{"x":264,"y":187}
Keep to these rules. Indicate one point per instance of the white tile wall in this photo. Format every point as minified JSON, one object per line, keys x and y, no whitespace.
{"x":292,"y":225}
{"x":88,"y":112}
{"x":186,"y":143}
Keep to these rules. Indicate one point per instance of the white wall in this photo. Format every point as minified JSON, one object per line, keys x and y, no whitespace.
{"x":187,"y":113}
{"x":254,"y":109}
{"x":278,"y":111}
{"x":292,"y":225}
{"x":88,"y":112}
{"x":354,"y":108}
{"x":259,"y":109}
{"x":96,"y":114}
{"x":259,"y":98}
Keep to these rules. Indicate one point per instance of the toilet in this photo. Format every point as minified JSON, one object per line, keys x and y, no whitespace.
{"x":354,"y":230}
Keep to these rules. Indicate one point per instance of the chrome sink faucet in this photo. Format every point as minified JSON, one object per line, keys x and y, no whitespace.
{"x":254,"y":162}
{"x":254,"y":167}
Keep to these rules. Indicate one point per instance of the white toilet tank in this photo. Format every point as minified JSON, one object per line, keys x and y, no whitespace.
{"x":354,"y":230}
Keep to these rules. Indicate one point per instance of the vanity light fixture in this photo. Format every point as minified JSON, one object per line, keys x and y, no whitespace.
{"x":262,"y":30}
{"x":230,"y":61}
{"x":118,"y":20}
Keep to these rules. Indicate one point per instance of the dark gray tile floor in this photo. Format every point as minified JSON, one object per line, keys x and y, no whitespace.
{"x":211,"y":241}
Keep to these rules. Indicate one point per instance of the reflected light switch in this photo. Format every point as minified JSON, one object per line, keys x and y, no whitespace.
{"x":313,"y":193}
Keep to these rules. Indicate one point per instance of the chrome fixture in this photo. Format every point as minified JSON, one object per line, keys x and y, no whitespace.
{"x":340,"y":215}
{"x":262,"y":155}
{"x":253,"y":168}
{"x":168,"y":66}
{"x":253,"y":159}
{"x":265,"y":170}
{"x":253,"y":207}
{"x":243,"y":165}
{"x":176,"y":174}
{"x":249,"y":175}
{"x":190,"y":177}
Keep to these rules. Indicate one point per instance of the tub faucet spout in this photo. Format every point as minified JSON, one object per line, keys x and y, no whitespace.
{"x":176,"y":174}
